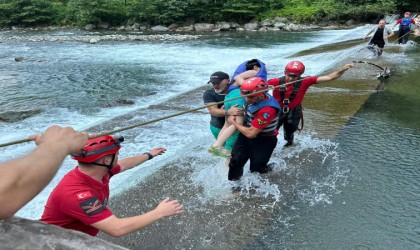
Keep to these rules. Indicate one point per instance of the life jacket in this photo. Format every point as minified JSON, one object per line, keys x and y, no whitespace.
{"x":405,"y":23}
{"x":242,"y":68}
{"x":252,"y":109}
{"x":284,"y":103}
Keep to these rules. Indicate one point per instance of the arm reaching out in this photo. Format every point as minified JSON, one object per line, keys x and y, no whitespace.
{"x":115,"y":226}
{"x":23,"y":178}
{"x":334,"y":75}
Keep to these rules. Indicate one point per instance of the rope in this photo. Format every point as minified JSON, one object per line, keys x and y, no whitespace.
{"x":158,"y":119}
{"x":399,"y":38}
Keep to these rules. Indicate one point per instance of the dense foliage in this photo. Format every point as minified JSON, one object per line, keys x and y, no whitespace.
{"x":115,"y":12}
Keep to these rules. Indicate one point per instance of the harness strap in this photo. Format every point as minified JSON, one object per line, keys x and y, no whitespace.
{"x":282,"y":90}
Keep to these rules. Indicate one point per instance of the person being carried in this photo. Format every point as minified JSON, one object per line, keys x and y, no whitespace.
{"x":405,"y":27}
{"x":23,"y":178}
{"x":258,"y":132}
{"x":220,"y":84}
{"x":244,"y":71}
{"x":380,"y":35}
{"x":417,"y":30}
{"x":79,"y":201}
{"x":290,"y":97}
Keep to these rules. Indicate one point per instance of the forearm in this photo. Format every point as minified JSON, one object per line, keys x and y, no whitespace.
{"x":23,"y":178}
{"x":131,"y":162}
{"x":116,"y":227}
{"x":248,"y":132}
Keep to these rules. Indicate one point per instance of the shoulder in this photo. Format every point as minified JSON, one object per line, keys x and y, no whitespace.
{"x":274,"y":81}
{"x":310,"y":80}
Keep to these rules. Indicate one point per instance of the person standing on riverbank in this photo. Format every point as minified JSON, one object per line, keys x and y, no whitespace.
{"x":220,"y":83}
{"x":405,"y":27}
{"x":23,"y":178}
{"x":258,"y":132}
{"x":380,"y":35}
{"x":290,"y":97}
{"x":79,"y":201}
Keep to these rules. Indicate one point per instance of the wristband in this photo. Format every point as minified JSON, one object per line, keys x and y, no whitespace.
{"x":226,"y":113}
{"x":148,"y":155}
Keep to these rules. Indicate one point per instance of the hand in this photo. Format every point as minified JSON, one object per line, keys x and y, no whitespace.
{"x":232,"y":119}
{"x":157,"y":151}
{"x":57,"y":136}
{"x":347,"y":66}
{"x":234,"y":110}
{"x":169,"y":208}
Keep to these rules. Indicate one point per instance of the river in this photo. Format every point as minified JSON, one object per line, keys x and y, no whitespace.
{"x":351,"y":182}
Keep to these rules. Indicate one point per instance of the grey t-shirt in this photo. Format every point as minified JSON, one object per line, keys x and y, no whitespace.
{"x":210,"y":96}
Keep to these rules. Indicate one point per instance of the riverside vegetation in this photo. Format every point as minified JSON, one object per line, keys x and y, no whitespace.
{"x":29,"y":13}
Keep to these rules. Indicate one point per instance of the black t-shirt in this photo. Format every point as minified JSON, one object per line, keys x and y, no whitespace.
{"x":210,"y":96}
{"x":379,"y":35}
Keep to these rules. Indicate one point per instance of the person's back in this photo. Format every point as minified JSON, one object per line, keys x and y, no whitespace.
{"x":76,"y":201}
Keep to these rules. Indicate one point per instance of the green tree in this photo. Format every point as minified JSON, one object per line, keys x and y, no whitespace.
{"x":83,"y":12}
{"x":31,"y":12}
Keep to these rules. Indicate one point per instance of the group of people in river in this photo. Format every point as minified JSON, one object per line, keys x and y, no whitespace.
{"x":381,"y":33}
{"x":245,"y":119}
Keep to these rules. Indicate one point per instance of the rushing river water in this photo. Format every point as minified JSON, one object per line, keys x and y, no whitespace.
{"x":351,"y":182}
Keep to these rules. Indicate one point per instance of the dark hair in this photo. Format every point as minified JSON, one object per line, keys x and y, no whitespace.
{"x":252,"y":63}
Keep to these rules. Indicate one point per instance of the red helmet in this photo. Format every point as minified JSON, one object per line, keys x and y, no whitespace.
{"x":294,"y":68}
{"x":98,"y":147}
{"x":254,"y":84}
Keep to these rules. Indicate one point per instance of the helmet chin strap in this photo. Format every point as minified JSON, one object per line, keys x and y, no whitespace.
{"x":109,"y":166}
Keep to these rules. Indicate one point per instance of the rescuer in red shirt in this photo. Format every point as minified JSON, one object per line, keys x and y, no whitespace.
{"x":80,"y":200}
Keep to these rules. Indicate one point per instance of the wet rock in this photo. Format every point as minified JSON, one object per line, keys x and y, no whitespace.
{"x":19,"y":59}
{"x":15,"y":116}
{"x":19,"y":233}
{"x":125,"y":102}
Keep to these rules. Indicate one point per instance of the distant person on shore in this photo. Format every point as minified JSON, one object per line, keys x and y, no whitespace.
{"x":79,"y":201}
{"x":380,"y":36}
{"x":244,"y":71}
{"x":258,"y":132}
{"x":23,"y":178}
{"x":405,"y":27}
{"x":290,"y":97}
{"x":219,"y":87}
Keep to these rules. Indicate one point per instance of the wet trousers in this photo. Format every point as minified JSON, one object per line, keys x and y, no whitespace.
{"x":290,"y":122}
{"x":403,"y":36}
{"x":258,"y":151}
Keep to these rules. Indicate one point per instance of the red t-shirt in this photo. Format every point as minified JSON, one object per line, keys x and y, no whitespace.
{"x":306,"y":83}
{"x":79,"y":201}
{"x":264,"y":117}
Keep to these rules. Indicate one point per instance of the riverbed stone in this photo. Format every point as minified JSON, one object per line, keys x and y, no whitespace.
{"x":20,"y":233}
{"x":251,"y":26}
{"x":159,"y":28}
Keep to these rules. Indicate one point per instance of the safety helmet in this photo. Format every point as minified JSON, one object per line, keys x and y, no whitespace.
{"x":254,"y":84}
{"x":98,"y":147}
{"x":294,"y":68}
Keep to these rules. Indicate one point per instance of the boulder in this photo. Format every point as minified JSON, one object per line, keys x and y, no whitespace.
{"x":19,"y":233}
{"x":203,"y":27}
{"x":90,"y":26}
{"x":103,"y":25}
{"x":251,"y":26}
{"x":223,"y":26}
{"x":159,"y":28}
{"x":15,"y":116}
